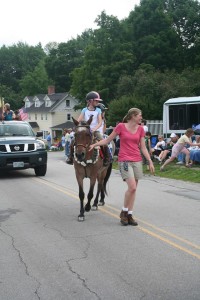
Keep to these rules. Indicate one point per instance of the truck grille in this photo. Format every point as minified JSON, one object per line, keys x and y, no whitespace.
{"x":15,"y":148}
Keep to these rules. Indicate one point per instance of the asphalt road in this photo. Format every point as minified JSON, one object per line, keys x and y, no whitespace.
{"x":46,"y":254}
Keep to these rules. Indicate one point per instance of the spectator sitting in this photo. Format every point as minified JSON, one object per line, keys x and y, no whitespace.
{"x":194,"y":151}
{"x":168,"y":149}
{"x":159,"y":147}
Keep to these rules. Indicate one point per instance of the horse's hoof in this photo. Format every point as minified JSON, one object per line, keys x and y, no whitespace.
{"x":81,"y":218}
{"x":101,"y":203}
{"x":87,"y":207}
{"x":94,"y":207}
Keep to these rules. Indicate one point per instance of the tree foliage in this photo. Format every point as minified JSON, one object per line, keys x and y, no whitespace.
{"x":143,"y":60}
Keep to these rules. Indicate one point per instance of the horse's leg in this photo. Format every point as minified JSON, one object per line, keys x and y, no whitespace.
{"x":100,"y":187}
{"x":90,"y":194}
{"x":81,"y":217}
{"x":102,"y":202}
{"x":106,"y":175}
{"x":95,"y":204}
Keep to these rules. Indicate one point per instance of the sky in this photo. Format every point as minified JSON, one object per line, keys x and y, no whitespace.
{"x":44,"y":21}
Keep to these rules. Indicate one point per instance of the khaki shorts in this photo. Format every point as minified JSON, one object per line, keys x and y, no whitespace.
{"x":129,"y":169}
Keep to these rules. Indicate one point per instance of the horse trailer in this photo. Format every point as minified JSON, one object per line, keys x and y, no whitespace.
{"x":180,"y":114}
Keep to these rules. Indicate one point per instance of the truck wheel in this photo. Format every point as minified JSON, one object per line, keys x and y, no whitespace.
{"x":41,"y":170}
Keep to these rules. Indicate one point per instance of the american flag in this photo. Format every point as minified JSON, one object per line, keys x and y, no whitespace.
{"x":23,"y":114}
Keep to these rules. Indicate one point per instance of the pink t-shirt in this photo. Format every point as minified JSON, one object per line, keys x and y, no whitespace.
{"x":129,"y":143}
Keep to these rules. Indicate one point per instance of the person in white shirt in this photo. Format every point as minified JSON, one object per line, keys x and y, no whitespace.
{"x":144,"y":124}
{"x":92,"y":109}
{"x":159,"y":147}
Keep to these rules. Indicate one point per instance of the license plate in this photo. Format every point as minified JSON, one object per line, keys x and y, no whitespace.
{"x":18,"y":164}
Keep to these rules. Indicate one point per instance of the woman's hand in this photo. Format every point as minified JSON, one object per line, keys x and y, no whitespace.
{"x":151,"y":167}
{"x":91,"y":147}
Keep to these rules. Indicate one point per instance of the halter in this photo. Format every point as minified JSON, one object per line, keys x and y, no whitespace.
{"x":95,"y":156}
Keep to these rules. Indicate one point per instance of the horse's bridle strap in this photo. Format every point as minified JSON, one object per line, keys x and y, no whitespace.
{"x":81,"y":145}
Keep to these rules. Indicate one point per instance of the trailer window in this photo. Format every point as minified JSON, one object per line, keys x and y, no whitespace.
{"x":183,"y":116}
{"x":177,"y":116}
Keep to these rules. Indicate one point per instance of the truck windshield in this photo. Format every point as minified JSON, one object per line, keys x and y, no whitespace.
{"x":16,"y":130}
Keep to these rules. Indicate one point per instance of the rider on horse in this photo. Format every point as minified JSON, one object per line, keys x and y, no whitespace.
{"x":92,"y":108}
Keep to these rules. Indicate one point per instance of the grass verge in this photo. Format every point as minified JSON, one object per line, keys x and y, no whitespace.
{"x":173,"y":171}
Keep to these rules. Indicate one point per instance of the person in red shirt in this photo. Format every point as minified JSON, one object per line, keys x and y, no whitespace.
{"x":132,"y":140}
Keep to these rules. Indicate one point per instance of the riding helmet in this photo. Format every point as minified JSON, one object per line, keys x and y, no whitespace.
{"x":93,"y":96}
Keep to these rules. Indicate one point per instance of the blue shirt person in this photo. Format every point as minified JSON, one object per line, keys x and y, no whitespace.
{"x":48,"y":138}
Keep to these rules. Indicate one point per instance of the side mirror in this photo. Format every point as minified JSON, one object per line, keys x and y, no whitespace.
{"x":39,"y":134}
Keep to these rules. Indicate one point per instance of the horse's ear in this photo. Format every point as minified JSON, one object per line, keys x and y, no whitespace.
{"x":90,"y":120}
{"x":75,"y":121}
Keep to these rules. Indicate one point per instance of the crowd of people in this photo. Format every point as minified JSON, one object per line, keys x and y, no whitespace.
{"x":8,"y":114}
{"x":181,"y":148}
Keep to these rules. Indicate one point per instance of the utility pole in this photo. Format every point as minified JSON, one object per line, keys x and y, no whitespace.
{"x":1,"y":107}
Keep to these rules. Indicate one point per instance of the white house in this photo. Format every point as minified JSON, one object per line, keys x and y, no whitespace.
{"x":51,"y":112}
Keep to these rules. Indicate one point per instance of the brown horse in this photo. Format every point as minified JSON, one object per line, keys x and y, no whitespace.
{"x":88,"y":164}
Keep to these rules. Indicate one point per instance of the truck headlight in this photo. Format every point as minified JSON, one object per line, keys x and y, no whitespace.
{"x":40,"y":145}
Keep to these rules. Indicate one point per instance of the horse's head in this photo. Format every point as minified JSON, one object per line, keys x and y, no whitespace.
{"x":83,"y":138}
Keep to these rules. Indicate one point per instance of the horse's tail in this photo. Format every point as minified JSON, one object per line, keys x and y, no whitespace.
{"x":109,"y":170}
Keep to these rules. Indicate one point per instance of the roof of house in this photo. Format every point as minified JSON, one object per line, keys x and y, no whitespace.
{"x":55,"y":99}
{"x":62,"y":126}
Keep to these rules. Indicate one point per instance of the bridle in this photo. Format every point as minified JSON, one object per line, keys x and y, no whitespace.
{"x":95,"y":156}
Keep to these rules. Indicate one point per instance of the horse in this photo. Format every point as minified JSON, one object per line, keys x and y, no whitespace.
{"x":89,"y":164}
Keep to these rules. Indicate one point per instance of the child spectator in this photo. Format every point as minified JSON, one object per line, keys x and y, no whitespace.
{"x":159,"y":147}
{"x":168,"y":149}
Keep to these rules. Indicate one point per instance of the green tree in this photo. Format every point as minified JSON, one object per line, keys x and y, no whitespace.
{"x":107,"y":57}
{"x":10,"y":96}
{"x":35,"y":82}
{"x":154,"y":40}
{"x":185,"y":19}
{"x":16,"y":61}
{"x":64,"y":58}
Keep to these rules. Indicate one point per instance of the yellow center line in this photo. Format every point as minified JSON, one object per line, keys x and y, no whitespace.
{"x":162,"y":230}
{"x":151,"y":233}
{"x":159,"y":237}
{"x":53,"y":186}
{"x":169,"y":242}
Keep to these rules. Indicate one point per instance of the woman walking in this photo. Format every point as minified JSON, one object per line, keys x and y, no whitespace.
{"x":132,"y":140}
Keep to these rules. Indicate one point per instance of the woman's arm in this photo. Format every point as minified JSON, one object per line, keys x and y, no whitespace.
{"x":146,"y":154}
{"x":104,"y":141}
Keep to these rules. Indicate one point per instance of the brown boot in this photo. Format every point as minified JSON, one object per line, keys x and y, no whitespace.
{"x":131,"y":221}
{"x":124,"y":218}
